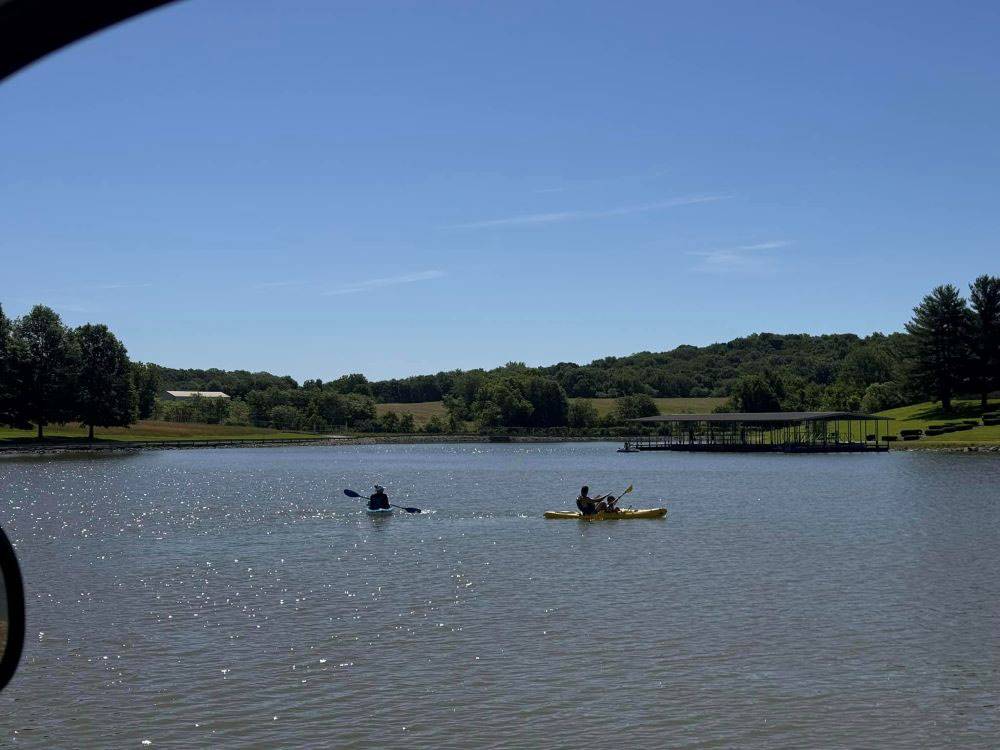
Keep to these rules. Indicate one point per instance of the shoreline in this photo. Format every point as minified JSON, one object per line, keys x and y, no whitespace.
{"x":32,"y":449}
{"x":122,"y":446}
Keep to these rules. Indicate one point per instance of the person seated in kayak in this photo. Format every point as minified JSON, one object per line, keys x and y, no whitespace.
{"x":592,"y":505}
{"x":380,"y":500}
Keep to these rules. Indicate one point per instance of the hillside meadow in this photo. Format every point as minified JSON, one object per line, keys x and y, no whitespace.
{"x":920,"y":416}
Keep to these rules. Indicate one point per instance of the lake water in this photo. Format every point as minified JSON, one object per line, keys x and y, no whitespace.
{"x":235,"y":598}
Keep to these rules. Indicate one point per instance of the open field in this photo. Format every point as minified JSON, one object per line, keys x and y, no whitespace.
{"x":919,"y":416}
{"x":423,"y":411}
{"x":667,"y":405}
{"x":151,"y":430}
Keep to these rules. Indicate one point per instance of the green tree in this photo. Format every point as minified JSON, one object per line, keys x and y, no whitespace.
{"x":105,"y":393}
{"x":314,"y":422}
{"x":434,"y":425}
{"x":284,"y":417}
{"x":984,"y":296}
{"x":635,"y":406}
{"x":881,"y":396}
{"x":490,"y":418}
{"x":389,"y":422}
{"x":353,"y":383}
{"x":46,"y":364}
{"x":505,"y":395}
{"x":755,"y":393}
{"x":239,"y":413}
{"x":147,"y":385}
{"x":330,"y":406}
{"x":842,"y":397}
{"x":582,"y":413}
{"x":939,"y":334}
{"x":360,"y":408}
{"x":549,"y":405}
{"x":869,"y":364}
{"x":406,"y":423}
{"x":9,"y":372}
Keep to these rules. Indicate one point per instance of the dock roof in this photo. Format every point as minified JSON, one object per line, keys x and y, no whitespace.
{"x":788,"y":417}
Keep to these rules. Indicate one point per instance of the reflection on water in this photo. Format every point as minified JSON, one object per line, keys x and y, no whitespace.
{"x":237,"y":598}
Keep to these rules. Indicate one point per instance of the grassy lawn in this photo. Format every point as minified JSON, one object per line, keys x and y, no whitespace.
{"x":919,"y":416}
{"x":149,"y":430}
{"x":423,"y":411}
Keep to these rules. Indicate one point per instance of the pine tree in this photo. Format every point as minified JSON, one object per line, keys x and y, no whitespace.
{"x":984,"y":296}
{"x":940,"y":330}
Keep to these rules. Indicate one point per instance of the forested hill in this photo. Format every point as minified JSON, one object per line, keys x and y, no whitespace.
{"x":50,"y":373}
{"x":799,"y":360}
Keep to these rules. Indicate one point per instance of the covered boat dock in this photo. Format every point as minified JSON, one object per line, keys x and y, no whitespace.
{"x":762,"y":432}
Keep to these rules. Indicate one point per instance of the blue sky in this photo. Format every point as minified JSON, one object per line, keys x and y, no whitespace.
{"x":317,"y":188}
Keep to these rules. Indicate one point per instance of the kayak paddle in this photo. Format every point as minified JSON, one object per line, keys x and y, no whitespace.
{"x":352,"y":493}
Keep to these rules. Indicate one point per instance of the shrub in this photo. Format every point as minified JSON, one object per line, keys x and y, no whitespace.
{"x":881,"y":396}
{"x":890,"y":438}
{"x":367,"y":425}
{"x":910,"y":437}
{"x":905,"y":433}
{"x":285,"y":417}
{"x":582,"y":413}
{"x":635,"y":406}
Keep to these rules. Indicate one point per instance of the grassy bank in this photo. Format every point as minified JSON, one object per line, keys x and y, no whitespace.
{"x":148,"y":430}
{"x":423,"y":411}
{"x":920,"y":416}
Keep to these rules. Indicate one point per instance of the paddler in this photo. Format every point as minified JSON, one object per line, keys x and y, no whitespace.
{"x":590,"y":506}
{"x":379,"y":500}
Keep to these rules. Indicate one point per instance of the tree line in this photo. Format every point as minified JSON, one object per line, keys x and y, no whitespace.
{"x":951,"y":348}
{"x":50,"y":373}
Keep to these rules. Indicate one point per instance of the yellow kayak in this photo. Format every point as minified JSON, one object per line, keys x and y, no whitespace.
{"x":624,"y":514}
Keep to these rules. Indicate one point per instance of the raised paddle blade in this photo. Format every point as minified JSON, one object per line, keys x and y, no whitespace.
{"x":351,"y":493}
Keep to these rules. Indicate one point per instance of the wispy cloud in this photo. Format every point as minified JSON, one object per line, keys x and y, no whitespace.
{"x":739,"y":258}
{"x":370,"y":284}
{"x":560,"y":216}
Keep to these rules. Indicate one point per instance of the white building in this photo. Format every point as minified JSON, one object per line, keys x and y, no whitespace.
{"x":177,"y":395}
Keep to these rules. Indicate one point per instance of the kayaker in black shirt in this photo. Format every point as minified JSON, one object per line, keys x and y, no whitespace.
{"x":590,"y":505}
{"x":380,"y":500}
